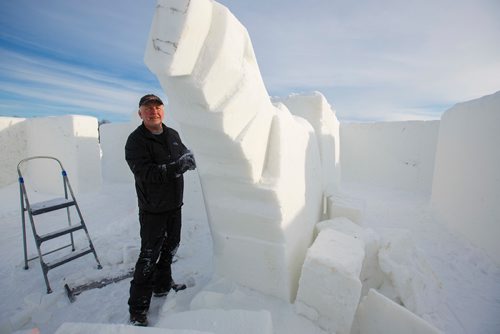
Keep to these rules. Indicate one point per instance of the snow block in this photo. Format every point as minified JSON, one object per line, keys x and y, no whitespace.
{"x":86,"y":328}
{"x":378,"y":314}
{"x":343,"y":205}
{"x":466,"y":187}
{"x":317,"y":111}
{"x":71,"y":139}
{"x":113,"y":137}
{"x":275,"y":272}
{"x":13,"y":145}
{"x":371,"y":276}
{"x":329,"y":287}
{"x":414,"y":282}
{"x":220,"y":321}
{"x":241,"y":158}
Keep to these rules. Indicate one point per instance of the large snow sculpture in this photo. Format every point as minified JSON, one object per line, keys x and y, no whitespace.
{"x":258,"y":164}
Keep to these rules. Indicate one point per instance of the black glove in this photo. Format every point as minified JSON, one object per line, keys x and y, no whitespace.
{"x":180,"y":166}
{"x":185,"y":162}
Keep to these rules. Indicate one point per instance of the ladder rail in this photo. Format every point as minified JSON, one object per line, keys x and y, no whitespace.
{"x":27,"y":208}
{"x":77,"y":207}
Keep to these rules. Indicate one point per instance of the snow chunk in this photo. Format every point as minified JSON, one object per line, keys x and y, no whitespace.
{"x":343,"y":205}
{"x":413,"y":280}
{"x":220,"y":321}
{"x":329,"y":287}
{"x":85,"y":328}
{"x":371,"y":275}
{"x":379,"y":315}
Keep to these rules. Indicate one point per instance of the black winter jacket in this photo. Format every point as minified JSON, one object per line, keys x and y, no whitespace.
{"x":150,"y":157}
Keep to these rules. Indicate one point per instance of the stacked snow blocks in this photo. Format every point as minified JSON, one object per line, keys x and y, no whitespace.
{"x":317,"y":111}
{"x":468,"y":161}
{"x":329,"y":288}
{"x":71,"y":139}
{"x":378,"y":314}
{"x":257,"y":163}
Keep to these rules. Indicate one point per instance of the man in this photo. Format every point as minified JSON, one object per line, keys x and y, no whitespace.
{"x":158,"y":158}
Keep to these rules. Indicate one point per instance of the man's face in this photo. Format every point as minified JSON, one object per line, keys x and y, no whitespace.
{"x":151,"y":114}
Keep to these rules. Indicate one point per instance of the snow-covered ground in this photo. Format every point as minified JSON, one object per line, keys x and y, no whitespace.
{"x":467,"y":298}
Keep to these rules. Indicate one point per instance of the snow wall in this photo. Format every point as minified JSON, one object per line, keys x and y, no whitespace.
{"x":113,"y":138}
{"x":13,"y":145}
{"x":71,"y":139}
{"x":397,"y":155}
{"x":466,"y":188}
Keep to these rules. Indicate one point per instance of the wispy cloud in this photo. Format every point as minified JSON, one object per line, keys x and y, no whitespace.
{"x":373,"y":60}
{"x":53,"y":86}
{"x":377,"y":59}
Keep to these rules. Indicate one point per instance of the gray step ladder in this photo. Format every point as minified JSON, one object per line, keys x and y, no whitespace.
{"x":39,"y":208}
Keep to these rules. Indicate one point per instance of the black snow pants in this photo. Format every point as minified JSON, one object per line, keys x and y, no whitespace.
{"x":160,"y":237}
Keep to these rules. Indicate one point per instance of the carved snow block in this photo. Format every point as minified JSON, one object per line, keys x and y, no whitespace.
{"x":166,"y":52}
{"x":237,"y":135}
{"x":239,"y":159}
{"x":243,"y":209}
{"x":329,"y":287}
{"x":266,"y":219}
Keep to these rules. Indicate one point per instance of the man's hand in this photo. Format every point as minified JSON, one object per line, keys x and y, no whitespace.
{"x":177,"y":168}
{"x":186,"y":162}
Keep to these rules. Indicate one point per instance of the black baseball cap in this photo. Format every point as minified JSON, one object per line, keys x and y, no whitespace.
{"x":149,"y":98}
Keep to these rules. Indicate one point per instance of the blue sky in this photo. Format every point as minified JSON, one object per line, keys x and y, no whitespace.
{"x":373,"y":60}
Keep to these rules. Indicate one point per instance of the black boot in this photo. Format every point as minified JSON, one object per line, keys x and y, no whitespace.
{"x":140,"y":319}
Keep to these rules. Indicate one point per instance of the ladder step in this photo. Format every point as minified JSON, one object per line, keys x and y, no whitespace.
{"x":50,"y":205}
{"x":69,"y":257}
{"x":59,"y":233}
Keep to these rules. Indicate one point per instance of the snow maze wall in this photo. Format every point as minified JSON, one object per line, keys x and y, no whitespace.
{"x":278,"y":168}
